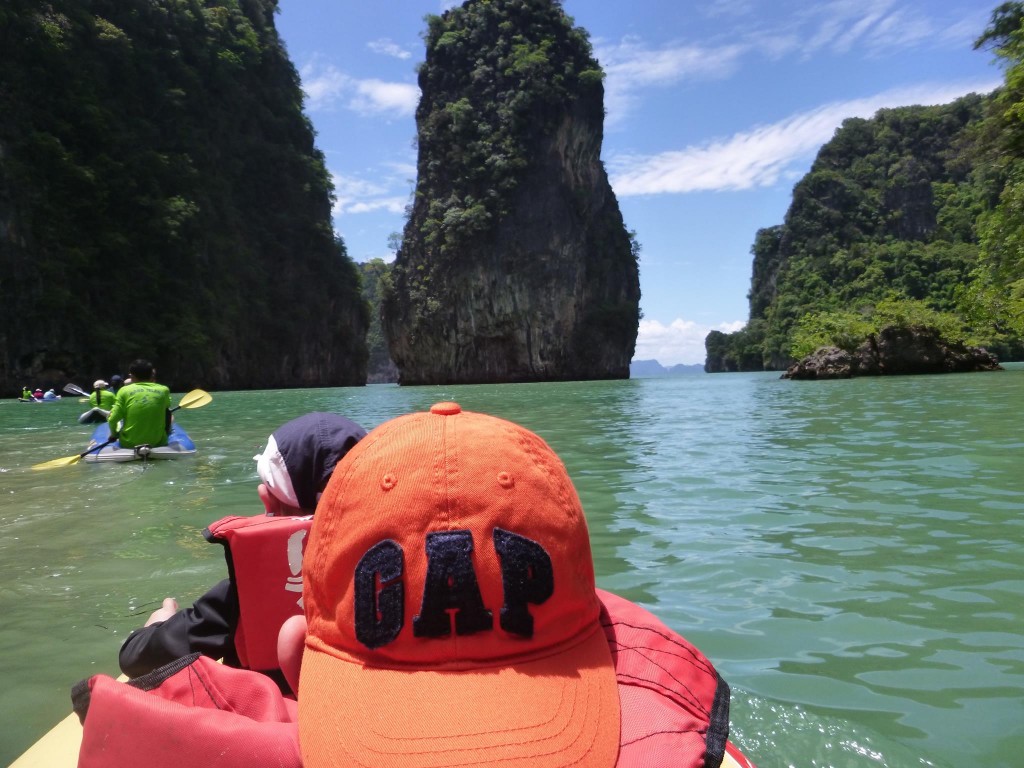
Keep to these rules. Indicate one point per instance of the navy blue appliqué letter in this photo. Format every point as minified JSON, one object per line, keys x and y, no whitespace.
{"x":526,"y":576}
{"x":451,"y":585}
{"x":379,"y":616}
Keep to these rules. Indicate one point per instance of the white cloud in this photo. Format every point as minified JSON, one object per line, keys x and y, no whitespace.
{"x":871,"y":26}
{"x":356,"y":195}
{"x":877,"y":27}
{"x":326,"y":86}
{"x":389,"y":204}
{"x":680,"y":342}
{"x":377,"y":96}
{"x":388,"y":48}
{"x":630,"y":66}
{"x":763,"y":155}
{"x":867,"y":28}
{"x":728,"y":8}
{"x":322,"y":85}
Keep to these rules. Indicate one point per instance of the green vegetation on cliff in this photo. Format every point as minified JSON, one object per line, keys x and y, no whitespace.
{"x":922,"y":205}
{"x":514,"y":264}
{"x":161,"y":196}
{"x":500,"y":72}
{"x":376,"y":279}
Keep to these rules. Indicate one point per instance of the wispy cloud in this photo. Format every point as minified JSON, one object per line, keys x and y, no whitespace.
{"x":388,"y":48}
{"x":323,"y":85}
{"x":863,"y":28}
{"x":327,"y":87}
{"x":630,"y":66}
{"x":728,"y":8}
{"x":872,"y":26}
{"x":355,"y":195}
{"x":679,"y":342}
{"x":763,"y":155}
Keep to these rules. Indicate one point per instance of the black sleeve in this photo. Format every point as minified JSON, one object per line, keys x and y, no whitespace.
{"x":207,"y":627}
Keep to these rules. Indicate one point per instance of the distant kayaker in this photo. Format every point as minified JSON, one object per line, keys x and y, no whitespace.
{"x":293,"y":470}
{"x":26,"y":393}
{"x":116,"y":382}
{"x":102,"y":397}
{"x":50,"y":395}
{"x":141,"y":412}
{"x":38,"y":394}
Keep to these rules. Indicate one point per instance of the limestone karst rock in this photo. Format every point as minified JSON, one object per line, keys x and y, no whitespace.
{"x":515,"y":264}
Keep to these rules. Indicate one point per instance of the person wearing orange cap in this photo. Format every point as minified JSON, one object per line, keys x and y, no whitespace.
{"x":451,"y":619}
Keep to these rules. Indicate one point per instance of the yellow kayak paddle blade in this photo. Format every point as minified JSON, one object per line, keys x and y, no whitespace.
{"x":197,"y":398}
{"x":67,"y":461}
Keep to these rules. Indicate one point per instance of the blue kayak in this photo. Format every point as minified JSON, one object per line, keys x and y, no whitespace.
{"x":178,"y":444}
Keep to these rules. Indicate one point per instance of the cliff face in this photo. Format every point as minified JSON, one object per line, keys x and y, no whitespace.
{"x":515,"y":264}
{"x":888,"y":207}
{"x":161,"y":197}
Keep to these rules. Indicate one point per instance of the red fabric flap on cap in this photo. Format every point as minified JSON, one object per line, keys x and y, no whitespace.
{"x":675,"y":706}
{"x":205,"y":714}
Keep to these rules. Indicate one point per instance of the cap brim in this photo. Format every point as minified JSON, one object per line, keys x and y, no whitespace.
{"x":559,"y":710}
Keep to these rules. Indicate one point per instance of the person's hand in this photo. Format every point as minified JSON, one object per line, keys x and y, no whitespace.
{"x":164,"y":612}
{"x":291,"y":640}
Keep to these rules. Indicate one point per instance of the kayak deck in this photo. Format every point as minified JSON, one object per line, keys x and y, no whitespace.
{"x":178,"y":444}
{"x":59,"y":748}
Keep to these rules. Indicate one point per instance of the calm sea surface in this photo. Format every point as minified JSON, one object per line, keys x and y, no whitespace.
{"x":849,"y":554}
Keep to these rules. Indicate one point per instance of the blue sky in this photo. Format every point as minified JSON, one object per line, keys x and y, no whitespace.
{"x":714,"y":110}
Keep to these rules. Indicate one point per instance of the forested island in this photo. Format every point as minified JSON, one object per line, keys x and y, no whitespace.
{"x":910,"y":220}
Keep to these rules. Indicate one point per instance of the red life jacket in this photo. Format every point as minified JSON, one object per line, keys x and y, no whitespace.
{"x":191,"y":712}
{"x":264,"y":557}
{"x":674,"y":705}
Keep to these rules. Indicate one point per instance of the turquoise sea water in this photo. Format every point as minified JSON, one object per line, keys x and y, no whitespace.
{"x":848,"y":554}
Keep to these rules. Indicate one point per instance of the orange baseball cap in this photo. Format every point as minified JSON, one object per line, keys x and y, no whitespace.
{"x":452,"y":618}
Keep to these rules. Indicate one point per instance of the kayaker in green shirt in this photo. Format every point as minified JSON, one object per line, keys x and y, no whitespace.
{"x":142,"y":408}
{"x":101,"y":396}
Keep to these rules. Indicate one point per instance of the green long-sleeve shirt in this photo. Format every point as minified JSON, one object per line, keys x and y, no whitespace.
{"x":143,"y":406}
{"x":106,"y":399}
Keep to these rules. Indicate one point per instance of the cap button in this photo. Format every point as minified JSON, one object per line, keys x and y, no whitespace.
{"x":446,"y":409}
